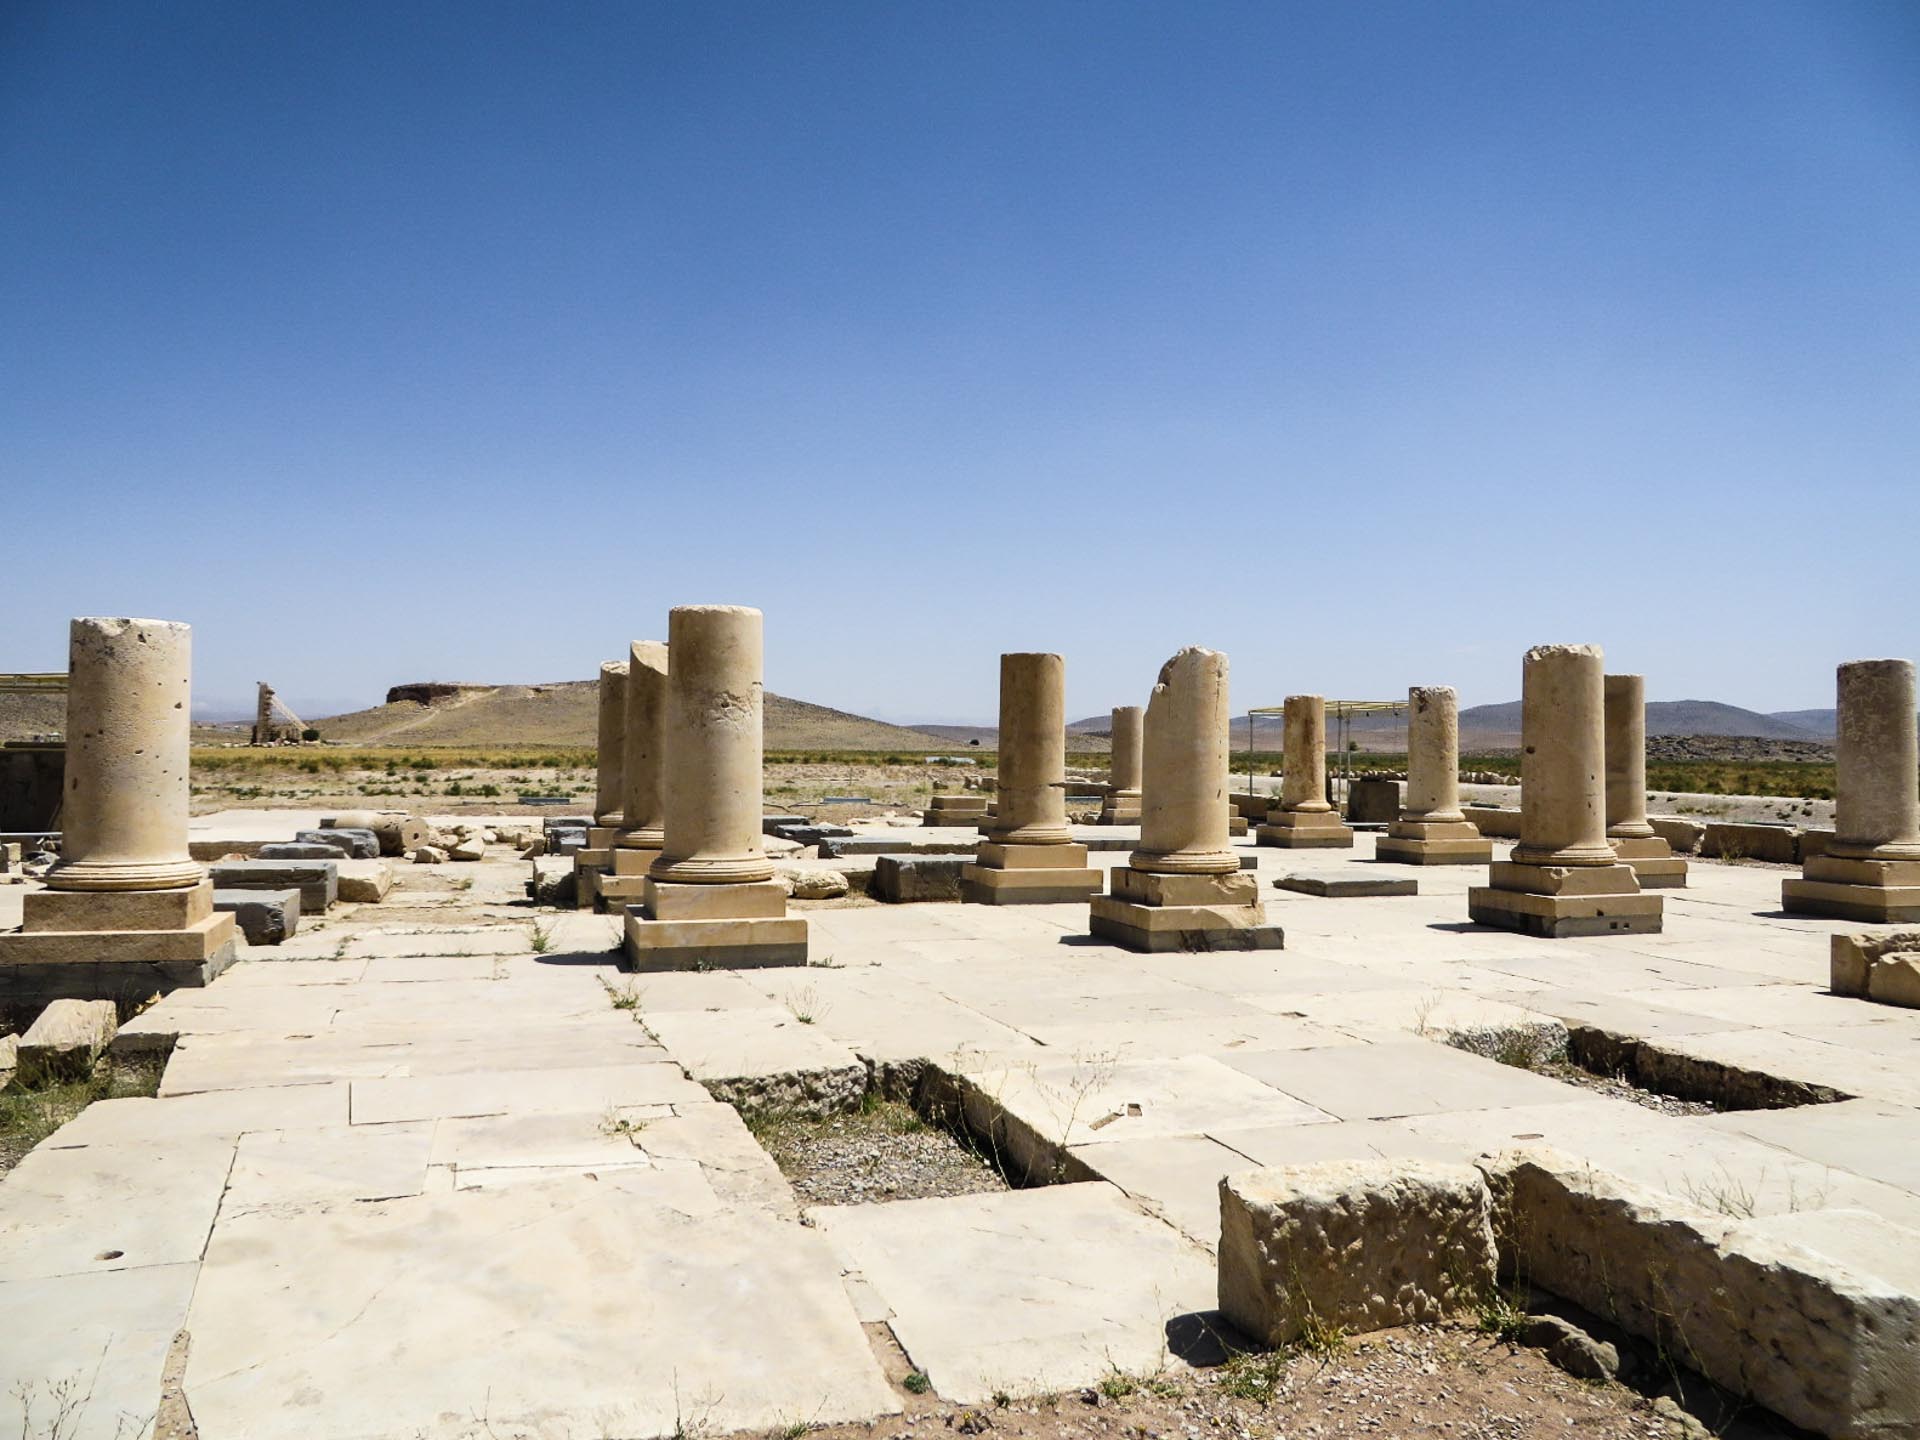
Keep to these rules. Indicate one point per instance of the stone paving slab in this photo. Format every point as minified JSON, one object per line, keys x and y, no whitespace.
{"x":729,"y":1044}
{"x":343,"y":1162}
{"x":570,"y":1307}
{"x":102,"y":1336}
{"x":1176,"y":1178}
{"x":1867,"y":1137}
{"x":1410,"y":1077}
{"x":1024,"y":1291}
{"x":524,"y":1092}
{"x":226,"y":1114}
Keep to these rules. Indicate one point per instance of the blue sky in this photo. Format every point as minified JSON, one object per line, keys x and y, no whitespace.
{"x":1370,"y":344}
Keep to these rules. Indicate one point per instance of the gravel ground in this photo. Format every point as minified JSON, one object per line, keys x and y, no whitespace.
{"x":1621,"y":1089}
{"x":883,"y":1152}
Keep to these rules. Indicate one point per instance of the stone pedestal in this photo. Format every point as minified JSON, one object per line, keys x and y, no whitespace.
{"x":966,"y":809}
{"x":1304,"y":819}
{"x":1122,"y":805}
{"x":643,"y":750}
{"x":1183,"y":889}
{"x":1563,"y":878}
{"x":1632,"y":836}
{"x":1871,"y":870}
{"x":127,"y":911}
{"x":1029,"y":857}
{"x":1431,"y":828}
{"x":709,"y":899}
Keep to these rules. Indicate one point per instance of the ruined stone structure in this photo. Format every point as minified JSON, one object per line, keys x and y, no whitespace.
{"x":1628,"y":830}
{"x":643,"y":756}
{"x":1029,"y":857}
{"x":710,"y":899}
{"x":1871,"y":870}
{"x":590,"y":863}
{"x":127,"y":911}
{"x":1563,"y":878}
{"x":1305,"y":819}
{"x":1183,"y":889}
{"x":1122,"y":805}
{"x":1431,"y":828}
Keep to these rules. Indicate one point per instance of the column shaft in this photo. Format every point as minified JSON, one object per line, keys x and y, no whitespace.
{"x":1128,"y":752}
{"x":643,"y":824}
{"x":1303,"y":777}
{"x":1877,"y":757}
{"x":1626,"y":712}
{"x":1183,"y":812}
{"x":1433,"y":755}
{"x":611,"y":742}
{"x":1031,"y":793}
{"x":1563,"y":758}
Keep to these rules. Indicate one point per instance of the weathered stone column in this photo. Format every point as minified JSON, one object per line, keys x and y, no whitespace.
{"x":1183,"y":889}
{"x":1432,"y":829}
{"x":1871,"y":870}
{"x":1563,"y":878}
{"x":1122,"y":805}
{"x":710,"y":898}
{"x":711,"y":800}
{"x":611,"y":753}
{"x":1632,"y":837}
{"x":1304,"y":819}
{"x":123,"y":818}
{"x":643,"y":742}
{"x":1029,"y":857}
{"x":127,"y":911}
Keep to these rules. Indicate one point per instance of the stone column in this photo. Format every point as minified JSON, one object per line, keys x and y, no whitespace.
{"x":1028,"y":856}
{"x":1032,"y":792}
{"x":643,"y":756}
{"x":123,"y":820}
{"x":1563,"y":758}
{"x":1122,"y":805}
{"x":612,"y":747}
{"x":1304,"y":818}
{"x":1871,"y":870}
{"x":1876,"y":812}
{"x":1432,"y":829}
{"x":1626,"y":743}
{"x":1183,"y":889}
{"x":711,"y":801}
{"x":1564,"y":878}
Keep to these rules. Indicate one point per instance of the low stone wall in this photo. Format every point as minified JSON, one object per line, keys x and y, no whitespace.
{"x":1494,"y":823}
{"x":1740,"y":840}
{"x":1877,"y":965}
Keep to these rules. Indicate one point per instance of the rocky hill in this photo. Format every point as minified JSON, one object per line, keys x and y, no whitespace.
{"x":567,"y":713}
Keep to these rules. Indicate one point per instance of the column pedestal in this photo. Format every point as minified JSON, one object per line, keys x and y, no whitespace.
{"x":1029,"y":857}
{"x":642,"y":832}
{"x":127,"y":912}
{"x":709,"y":899}
{"x":1632,"y":837}
{"x":1122,"y":803}
{"x":1431,"y":829}
{"x":1564,"y":879}
{"x":1304,"y":819}
{"x":964,"y":810}
{"x":1434,"y":842}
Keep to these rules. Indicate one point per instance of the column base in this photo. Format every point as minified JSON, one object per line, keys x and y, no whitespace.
{"x":1236,"y":825}
{"x":1653,"y":862}
{"x":588,"y":866}
{"x":1028,"y":875}
{"x":1470,"y":848}
{"x":125,"y":966}
{"x":1120,"y":808}
{"x":1834,"y":900}
{"x":603,"y":837}
{"x":1305,"y":830}
{"x":1156,"y":929}
{"x":1557,"y":902}
{"x":613,"y":893}
{"x":741,"y":944}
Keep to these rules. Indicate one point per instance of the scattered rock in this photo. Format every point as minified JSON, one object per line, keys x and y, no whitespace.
{"x":429,"y":855}
{"x":65,"y":1041}
{"x":474,"y":849}
{"x":9,"y":1057}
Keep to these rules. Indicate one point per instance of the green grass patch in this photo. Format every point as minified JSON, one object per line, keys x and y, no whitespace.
{"x":28,"y":1116}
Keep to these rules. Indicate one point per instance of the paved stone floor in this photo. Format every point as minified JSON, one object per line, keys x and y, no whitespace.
{"x":438,"y":1168}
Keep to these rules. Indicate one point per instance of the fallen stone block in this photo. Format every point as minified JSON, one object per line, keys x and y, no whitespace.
{"x":839,"y":846}
{"x":9,"y":1058}
{"x":429,"y":855}
{"x":471,"y":848}
{"x":1494,"y":822}
{"x":1682,"y":835}
{"x":399,"y":833}
{"x":352,"y":844}
{"x":1352,"y":1245}
{"x":552,"y":881}
{"x":1815,"y":1313}
{"x":774,"y":824}
{"x":907,"y":879}
{"x":812,"y":834}
{"x":1340,"y":885}
{"x":292,"y":850}
{"x":803,"y":882}
{"x":1743,"y":840}
{"x":365,"y":882}
{"x":65,"y":1041}
{"x":265,"y":917}
{"x":318,"y":881}
{"x":1373,"y":802}
{"x":205,"y":850}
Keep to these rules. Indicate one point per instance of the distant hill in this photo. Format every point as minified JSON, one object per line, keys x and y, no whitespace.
{"x":567,"y":713}
{"x":1820,"y":723}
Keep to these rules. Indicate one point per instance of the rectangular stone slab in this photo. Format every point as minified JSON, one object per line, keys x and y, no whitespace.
{"x":901,"y":879}
{"x":265,"y":917}
{"x":1557,"y":917}
{"x":318,"y":881}
{"x":1158,"y":929}
{"x":713,"y":944}
{"x":1433,"y":852}
{"x":1341,"y":884}
{"x":834,"y":847}
{"x":1895,"y":905}
{"x":980,"y":885}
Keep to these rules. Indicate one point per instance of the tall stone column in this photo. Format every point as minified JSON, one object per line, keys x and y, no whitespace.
{"x":1432,"y":829}
{"x":1628,"y":830}
{"x":1122,"y":805}
{"x":710,"y":898}
{"x":1304,"y":819}
{"x":1563,"y":878}
{"x":1183,"y":889}
{"x":611,"y":751}
{"x":1029,"y":857}
{"x":1871,"y":870}
{"x":637,"y":841}
{"x":123,"y":819}
{"x":127,"y":910}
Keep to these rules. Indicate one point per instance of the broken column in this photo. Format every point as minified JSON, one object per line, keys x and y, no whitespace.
{"x":1628,"y":831}
{"x":1871,"y":870}
{"x":710,"y":897}
{"x":1029,"y":857}
{"x":1122,"y":805}
{"x":126,"y":911}
{"x":596,"y":858}
{"x":1431,"y":828}
{"x":643,"y":750}
{"x":1183,"y":889}
{"x":1304,"y":819}
{"x":1563,"y":878}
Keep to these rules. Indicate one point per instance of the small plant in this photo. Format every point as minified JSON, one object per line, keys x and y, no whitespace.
{"x":623,"y":997}
{"x":540,"y":938}
{"x":916,"y":1382}
{"x":1257,"y":1377}
{"x":1501,"y":1317}
{"x":804,"y":1004}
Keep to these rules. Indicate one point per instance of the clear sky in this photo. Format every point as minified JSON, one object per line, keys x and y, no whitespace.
{"x":1369,"y":343}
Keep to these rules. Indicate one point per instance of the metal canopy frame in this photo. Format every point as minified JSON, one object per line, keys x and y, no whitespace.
{"x":1339,"y":774}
